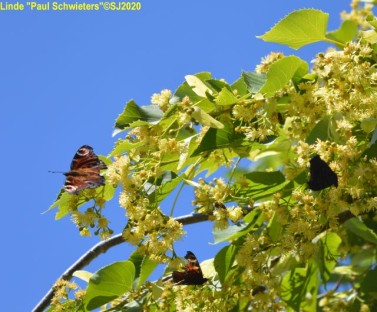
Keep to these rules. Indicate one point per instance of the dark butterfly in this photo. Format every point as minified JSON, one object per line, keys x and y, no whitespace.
{"x":321,"y":175}
{"x":85,"y":171}
{"x":192,"y":275}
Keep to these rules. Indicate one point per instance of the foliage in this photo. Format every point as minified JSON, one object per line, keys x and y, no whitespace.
{"x":289,"y":248}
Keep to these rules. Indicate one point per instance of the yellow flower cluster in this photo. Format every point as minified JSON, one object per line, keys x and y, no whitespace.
{"x":257,"y":123}
{"x":89,"y":219}
{"x":118,"y":169}
{"x":358,"y":14}
{"x":210,"y":198}
{"x":267,"y":61}
{"x":148,"y":227}
{"x":155,"y":234}
{"x":162,"y":99}
{"x":92,"y":217}
{"x":347,"y":83}
{"x":203,"y":299}
{"x":60,"y":301}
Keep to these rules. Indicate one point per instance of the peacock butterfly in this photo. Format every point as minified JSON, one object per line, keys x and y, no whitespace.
{"x":192,"y":275}
{"x":85,"y":171}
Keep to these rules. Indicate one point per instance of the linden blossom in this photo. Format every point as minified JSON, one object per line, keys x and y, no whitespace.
{"x":64,"y":6}
{"x":11,"y":6}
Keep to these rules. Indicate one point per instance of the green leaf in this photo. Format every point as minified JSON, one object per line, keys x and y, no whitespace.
{"x":369,"y":284}
{"x":285,"y":263}
{"x":205,"y":105}
{"x":229,"y":233}
{"x":347,"y":32}
{"x":132,"y":306}
{"x":143,"y":267}
{"x":134,"y":115}
{"x":169,"y":119}
{"x":56,"y":202}
{"x":360,"y":229}
{"x":368,"y":124}
{"x":369,"y":35}
{"x":218,"y":85}
{"x":371,"y":19}
{"x":240,"y":86}
{"x":300,"y":287}
{"x":323,"y":130}
{"x":65,"y":204}
{"x":224,"y":261}
{"x":206,"y":119}
{"x":225,"y":97}
{"x":263,"y":184}
{"x":281,"y":72}
{"x":274,"y":229}
{"x":124,"y":146}
{"x":159,"y":190}
{"x":217,"y":139}
{"x":299,"y":28}
{"x":186,"y":90}
{"x":280,"y":146}
{"x":253,"y":221}
{"x":109,"y":283}
{"x":254,"y":81}
{"x":363,"y":260}
{"x":157,"y":290}
{"x":83,"y":275}
{"x":198,"y":85}
{"x":374,"y":137}
{"x":188,"y":145}
{"x":328,"y":254}
{"x":265,"y":178}
{"x":209,"y":165}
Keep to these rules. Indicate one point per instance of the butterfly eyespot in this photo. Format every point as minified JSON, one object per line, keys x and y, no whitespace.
{"x":70,"y":189}
{"x":83,"y":151}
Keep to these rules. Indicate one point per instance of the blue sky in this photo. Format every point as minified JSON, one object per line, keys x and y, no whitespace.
{"x":65,"y":77}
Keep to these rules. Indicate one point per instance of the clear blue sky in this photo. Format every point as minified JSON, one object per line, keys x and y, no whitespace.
{"x":65,"y":77}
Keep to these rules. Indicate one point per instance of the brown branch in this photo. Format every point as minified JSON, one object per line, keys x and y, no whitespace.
{"x":100,"y":248}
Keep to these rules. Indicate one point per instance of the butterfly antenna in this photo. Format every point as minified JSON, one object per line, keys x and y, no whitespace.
{"x":56,"y":171}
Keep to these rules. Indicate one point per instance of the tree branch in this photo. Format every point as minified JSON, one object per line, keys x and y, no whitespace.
{"x":100,"y":248}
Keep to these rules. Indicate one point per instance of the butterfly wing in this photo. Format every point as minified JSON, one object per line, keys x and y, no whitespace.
{"x":78,"y":180}
{"x":178,"y":277}
{"x":321,"y":175}
{"x":86,"y":158}
{"x":85,"y":171}
{"x":192,"y":275}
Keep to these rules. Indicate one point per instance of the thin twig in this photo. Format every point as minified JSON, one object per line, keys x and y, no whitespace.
{"x":100,"y":248}
{"x":331,"y":291}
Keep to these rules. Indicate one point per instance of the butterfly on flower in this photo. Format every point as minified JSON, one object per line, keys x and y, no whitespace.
{"x":85,"y":171}
{"x":192,"y":275}
{"x":321,"y":175}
